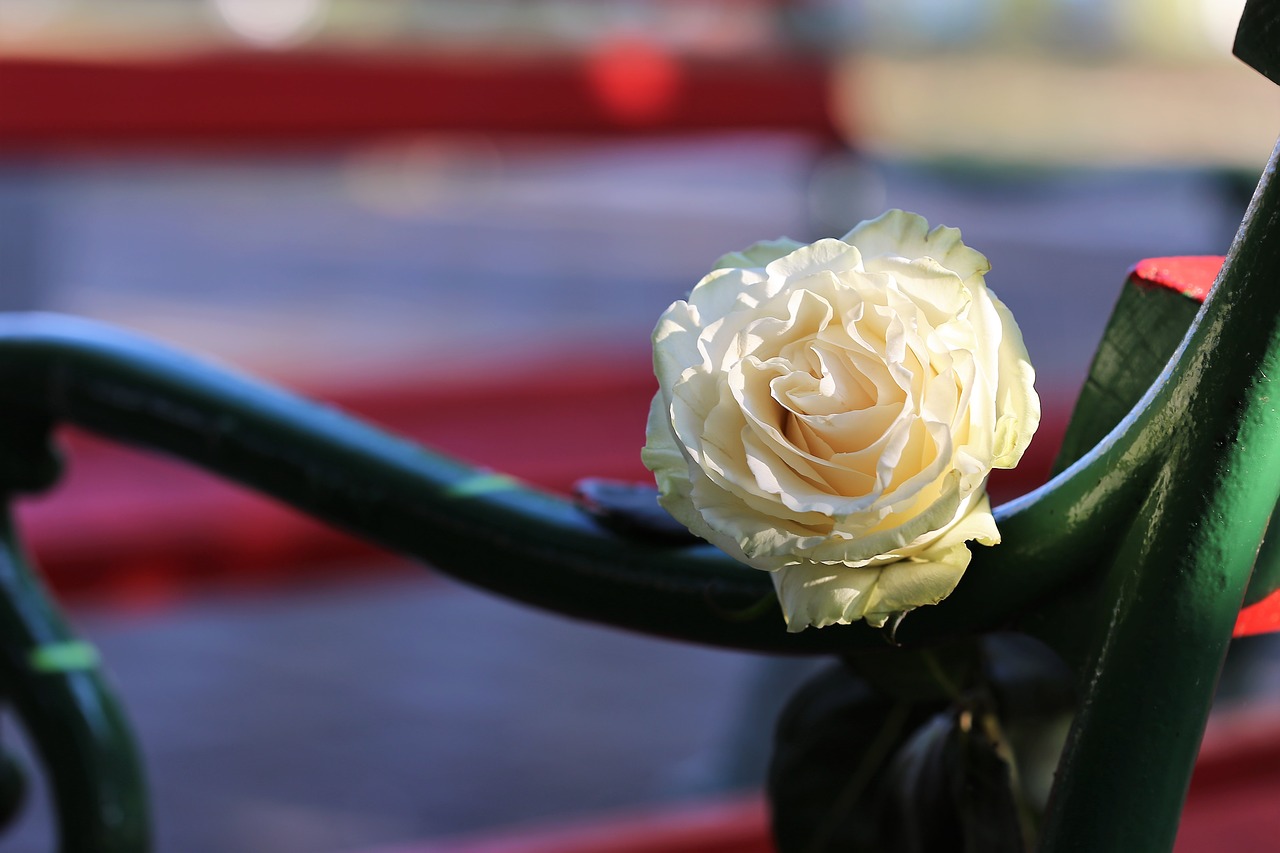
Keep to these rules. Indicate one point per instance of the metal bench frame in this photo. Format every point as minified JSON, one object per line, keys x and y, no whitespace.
{"x":1132,"y":563}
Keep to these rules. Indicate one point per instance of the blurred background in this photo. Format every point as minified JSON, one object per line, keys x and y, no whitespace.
{"x":461,"y":219}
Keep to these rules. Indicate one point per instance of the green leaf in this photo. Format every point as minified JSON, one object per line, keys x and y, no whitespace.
{"x":939,"y":672}
{"x":826,"y":780}
{"x":951,"y":788}
{"x":908,"y":751}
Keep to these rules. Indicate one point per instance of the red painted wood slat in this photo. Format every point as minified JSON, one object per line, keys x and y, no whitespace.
{"x":624,"y":87}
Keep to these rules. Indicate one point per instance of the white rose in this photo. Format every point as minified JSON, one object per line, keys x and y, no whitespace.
{"x":830,"y":413}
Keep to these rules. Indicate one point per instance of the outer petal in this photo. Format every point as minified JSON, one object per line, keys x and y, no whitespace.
{"x":759,"y":254}
{"x":1017,"y":404}
{"x":675,"y":344}
{"x":734,"y":526}
{"x":661,"y":454}
{"x":935,"y":289}
{"x":822,"y":258}
{"x":897,"y":233}
{"x":817,"y":594}
{"x":724,"y":291}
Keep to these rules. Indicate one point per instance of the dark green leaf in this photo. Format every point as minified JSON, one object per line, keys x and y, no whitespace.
{"x":834,"y":740}
{"x":1025,"y":677}
{"x":939,"y":672}
{"x":951,"y":788}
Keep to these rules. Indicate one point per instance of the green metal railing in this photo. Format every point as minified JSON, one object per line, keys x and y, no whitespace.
{"x":1132,"y":563}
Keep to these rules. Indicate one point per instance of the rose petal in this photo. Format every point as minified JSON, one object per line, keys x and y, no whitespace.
{"x":758,"y":255}
{"x":938,"y":291}
{"x":806,"y":313}
{"x":662,"y":455}
{"x":1017,"y":404}
{"x":825,"y":256}
{"x":817,"y":595}
{"x":897,"y":233}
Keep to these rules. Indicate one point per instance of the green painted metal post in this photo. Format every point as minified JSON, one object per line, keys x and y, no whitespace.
{"x":79,"y":730}
{"x":1179,"y":575}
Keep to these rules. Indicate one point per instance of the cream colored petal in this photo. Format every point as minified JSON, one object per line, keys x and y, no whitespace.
{"x":851,"y":433}
{"x":661,"y":454}
{"x":691,"y":400}
{"x":714,"y":442}
{"x":868,"y":534}
{"x":679,"y":360}
{"x":1017,"y":404}
{"x":936,"y":289}
{"x":988,"y":334}
{"x":897,"y":233}
{"x":977,"y":525}
{"x":725,"y":521}
{"x":848,"y":489}
{"x":722,"y":292}
{"x":758,"y":255}
{"x":722,"y":452}
{"x":817,"y":595}
{"x":683,"y":508}
{"x":759,"y":539}
{"x":805,"y":314}
{"x":825,"y":256}
{"x":933,"y":573}
{"x":824,"y":486}
{"x":924,"y":458}
{"x":803,"y":490}
{"x":915,"y":582}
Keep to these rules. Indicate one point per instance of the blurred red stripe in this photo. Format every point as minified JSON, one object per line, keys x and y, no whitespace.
{"x":721,"y":826}
{"x":257,"y":98}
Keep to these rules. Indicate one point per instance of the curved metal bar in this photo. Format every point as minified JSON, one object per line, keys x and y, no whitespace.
{"x":1181,"y":570}
{"x":78,"y":727}
{"x":498,"y":534}
{"x":484,"y":528}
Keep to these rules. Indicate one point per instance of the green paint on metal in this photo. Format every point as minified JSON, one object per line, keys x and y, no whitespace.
{"x":66,"y":656}
{"x":1181,"y":565}
{"x":483,"y":484}
{"x":550,"y":553}
{"x":1144,"y":331}
{"x":73,"y":718}
{"x":1258,"y":37}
